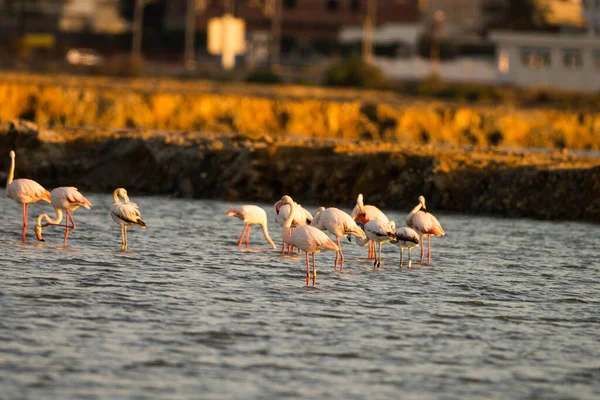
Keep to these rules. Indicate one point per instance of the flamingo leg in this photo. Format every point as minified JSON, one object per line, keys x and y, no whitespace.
{"x":336,"y":260}
{"x":122,"y":237}
{"x":242,"y":235}
{"x":409,"y":260}
{"x":421,"y":245}
{"x":66,"y":229}
{"x":126,"y":241}
{"x":341,"y":254}
{"x":379,"y":263}
{"x":307,"y":270}
{"x":401,"y":251}
{"x":429,"y":249}
{"x":248,"y":234}
{"x":314,"y":270}
{"x":72,"y":220}
{"x":24,"y":233}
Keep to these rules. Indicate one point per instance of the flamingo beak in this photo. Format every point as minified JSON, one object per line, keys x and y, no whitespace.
{"x":38,"y":233}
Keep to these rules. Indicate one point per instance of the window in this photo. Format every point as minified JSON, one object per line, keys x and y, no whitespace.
{"x":331,"y":5}
{"x":596,"y":56}
{"x":572,"y":59}
{"x":355,"y":6}
{"x":536,"y":58}
{"x":289,"y":4}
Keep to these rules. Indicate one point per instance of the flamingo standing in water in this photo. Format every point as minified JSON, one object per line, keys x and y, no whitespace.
{"x":24,"y":192}
{"x":251,"y":215}
{"x":365,"y":213}
{"x":125,"y":213}
{"x":339,"y":224}
{"x":377,"y":232}
{"x":65,"y":198}
{"x":307,"y":238}
{"x":406,"y":238}
{"x":425,"y":224}
{"x":301,"y":217}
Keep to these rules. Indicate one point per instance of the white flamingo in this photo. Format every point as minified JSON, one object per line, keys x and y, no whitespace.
{"x":307,"y":238}
{"x":406,"y":238}
{"x":425,"y":224}
{"x":251,"y":215}
{"x":365,"y":213}
{"x":301,"y":217}
{"x":24,"y":192}
{"x":125,"y":213}
{"x":339,"y":224}
{"x":65,"y":198}
{"x":378,"y":232}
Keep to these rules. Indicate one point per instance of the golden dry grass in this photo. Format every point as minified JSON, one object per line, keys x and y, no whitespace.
{"x":295,"y":111}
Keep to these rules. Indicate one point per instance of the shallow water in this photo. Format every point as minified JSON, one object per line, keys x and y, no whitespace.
{"x":509,"y":309}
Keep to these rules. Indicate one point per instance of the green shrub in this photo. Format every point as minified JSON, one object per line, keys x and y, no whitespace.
{"x":354,"y":72}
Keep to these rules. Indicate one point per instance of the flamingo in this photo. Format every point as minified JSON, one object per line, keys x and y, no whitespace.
{"x":301,"y":217}
{"x":306,"y":238}
{"x":425,"y":224}
{"x":65,"y":198}
{"x":406,"y":238}
{"x":339,"y":224}
{"x":24,"y":192}
{"x":251,"y":215}
{"x":377,"y":232}
{"x":365,"y":213}
{"x":125,"y":213}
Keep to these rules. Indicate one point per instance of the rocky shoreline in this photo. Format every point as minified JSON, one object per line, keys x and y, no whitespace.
{"x":543,"y":185}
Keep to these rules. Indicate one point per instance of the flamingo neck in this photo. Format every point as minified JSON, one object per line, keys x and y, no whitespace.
{"x":290,"y":218}
{"x":11,"y":173}
{"x":116,"y":196}
{"x":59,"y":216}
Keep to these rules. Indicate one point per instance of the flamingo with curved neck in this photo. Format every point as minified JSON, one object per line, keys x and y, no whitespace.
{"x":125,"y":213}
{"x":425,"y":224}
{"x":307,"y":238}
{"x":65,"y":198}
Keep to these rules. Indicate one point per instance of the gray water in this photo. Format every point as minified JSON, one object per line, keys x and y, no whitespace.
{"x":509,"y":309}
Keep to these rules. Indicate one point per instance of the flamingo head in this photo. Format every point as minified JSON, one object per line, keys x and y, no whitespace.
{"x":38,"y":233}
{"x":12,"y":154}
{"x":359,"y":201}
{"x":319,"y":210}
{"x":422,"y":202}
{"x":286,"y":200}
{"x":278,"y":206}
{"x":232,"y":213}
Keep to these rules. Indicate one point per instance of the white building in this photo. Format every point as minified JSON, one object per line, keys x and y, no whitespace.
{"x":564,"y":62}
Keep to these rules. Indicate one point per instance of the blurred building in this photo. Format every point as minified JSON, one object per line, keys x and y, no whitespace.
{"x":301,"y":19}
{"x":556,"y":61}
{"x":19,"y":17}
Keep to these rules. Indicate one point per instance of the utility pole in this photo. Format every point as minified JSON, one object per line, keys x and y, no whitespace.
{"x":138,"y":19}
{"x":193,"y":7}
{"x":368,"y":27}
{"x":274,"y":59}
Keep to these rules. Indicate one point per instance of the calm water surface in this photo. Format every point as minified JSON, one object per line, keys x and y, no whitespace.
{"x":510,"y":309}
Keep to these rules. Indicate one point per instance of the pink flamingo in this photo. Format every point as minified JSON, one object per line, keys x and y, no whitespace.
{"x":65,"y":198}
{"x":365,"y":213}
{"x":251,"y":215}
{"x":301,"y":217}
{"x":125,"y":213}
{"x":425,"y":224}
{"x":339,"y":224}
{"x":24,"y":191}
{"x":307,"y":238}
